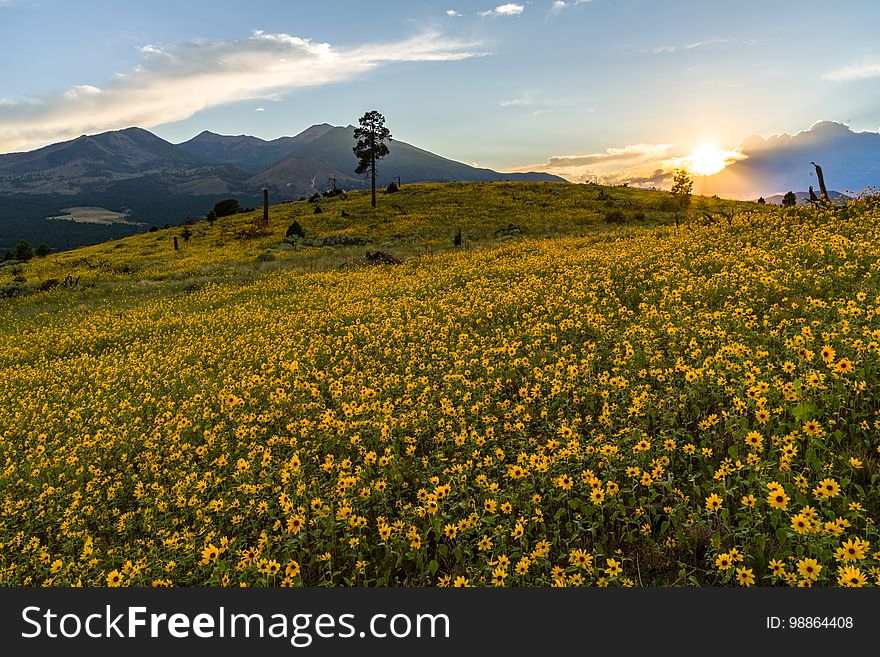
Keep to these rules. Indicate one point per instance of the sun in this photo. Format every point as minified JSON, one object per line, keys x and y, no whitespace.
{"x":707,"y":159}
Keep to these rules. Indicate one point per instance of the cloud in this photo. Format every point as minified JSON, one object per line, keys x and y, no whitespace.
{"x":701,"y":44}
{"x":260,"y":109}
{"x":613,"y":166}
{"x":544,"y":105}
{"x":172,"y":83}
{"x":560,"y":5}
{"x":452,"y":12}
{"x":81,"y":91}
{"x":509,"y":9}
{"x":860,"y":71}
{"x":782,"y":162}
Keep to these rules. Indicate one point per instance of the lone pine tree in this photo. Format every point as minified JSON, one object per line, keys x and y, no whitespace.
{"x":371,"y":136}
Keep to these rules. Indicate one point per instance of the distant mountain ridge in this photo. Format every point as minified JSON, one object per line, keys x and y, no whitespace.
{"x":251,"y":154}
{"x":331,"y":147}
{"x":804,"y":197}
{"x":157,"y":182}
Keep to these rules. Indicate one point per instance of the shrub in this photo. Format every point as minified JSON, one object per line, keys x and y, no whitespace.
{"x":49,"y":283}
{"x":669,"y":203}
{"x":24,"y":251}
{"x":392,"y":188}
{"x":226,"y":207}
{"x":295,"y":230}
{"x":615,"y":216}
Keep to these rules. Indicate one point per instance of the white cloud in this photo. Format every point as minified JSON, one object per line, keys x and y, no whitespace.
{"x":172,"y":83}
{"x":260,"y":109}
{"x":639,"y":163}
{"x":861,"y":71}
{"x":560,"y":5}
{"x":452,"y":12}
{"x":151,"y":49}
{"x":702,"y":44}
{"x":509,"y":9}
{"x":540,"y":105}
{"x":81,"y":91}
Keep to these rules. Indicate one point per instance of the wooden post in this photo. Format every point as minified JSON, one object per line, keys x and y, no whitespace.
{"x":265,"y":207}
{"x":821,"y":182}
{"x":176,"y":247}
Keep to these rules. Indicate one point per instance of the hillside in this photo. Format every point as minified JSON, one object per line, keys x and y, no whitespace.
{"x":560,"y":401}
{"x":155,"y":183}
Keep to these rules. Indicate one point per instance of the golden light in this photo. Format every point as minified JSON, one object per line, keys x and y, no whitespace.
{"x":707,"y":160}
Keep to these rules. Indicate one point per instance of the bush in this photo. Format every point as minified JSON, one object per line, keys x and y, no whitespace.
{"x":318,"y":209}
{"x":226,"y":207}
{"x":43,"y":250}
{"x":669,"y":204}
{"x":295,"y":230}
{"x":392,"y":188}
{"x":24,"y":251}
{"x":314,"y":198}
{"x":615,"y":216}
{"x":8,"y":290}
{"x":49,"y":283}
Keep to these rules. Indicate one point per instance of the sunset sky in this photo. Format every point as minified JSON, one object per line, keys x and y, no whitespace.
{"x":591,"y":87}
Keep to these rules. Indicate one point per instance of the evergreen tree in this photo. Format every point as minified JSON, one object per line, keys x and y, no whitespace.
{"x":371,"y":136}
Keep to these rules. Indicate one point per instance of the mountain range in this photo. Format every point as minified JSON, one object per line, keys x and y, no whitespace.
{"x":155,"y":182}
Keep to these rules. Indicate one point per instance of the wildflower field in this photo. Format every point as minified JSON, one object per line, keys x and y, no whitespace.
{"x":571,"y":404}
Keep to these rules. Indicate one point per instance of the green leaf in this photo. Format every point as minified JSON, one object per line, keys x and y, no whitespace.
{"x":433,"y":566}
{"x":760,"y":545}
{"x":813,"y":460}
{"x":781,"y":536}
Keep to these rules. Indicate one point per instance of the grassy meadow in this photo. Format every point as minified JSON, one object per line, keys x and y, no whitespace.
{"x":583,"y":393}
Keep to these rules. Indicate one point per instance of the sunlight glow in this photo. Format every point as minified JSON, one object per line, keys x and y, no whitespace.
{"x":707,"y":160}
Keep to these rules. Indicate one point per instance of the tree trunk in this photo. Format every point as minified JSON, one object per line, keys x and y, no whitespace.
{"x":373,"y":175}
{"x":821,"y":182}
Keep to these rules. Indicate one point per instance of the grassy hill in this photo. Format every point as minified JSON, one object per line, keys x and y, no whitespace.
{"x":563,"y":400}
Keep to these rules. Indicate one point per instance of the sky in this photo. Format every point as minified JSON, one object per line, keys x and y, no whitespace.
{"x":591,"y":89}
